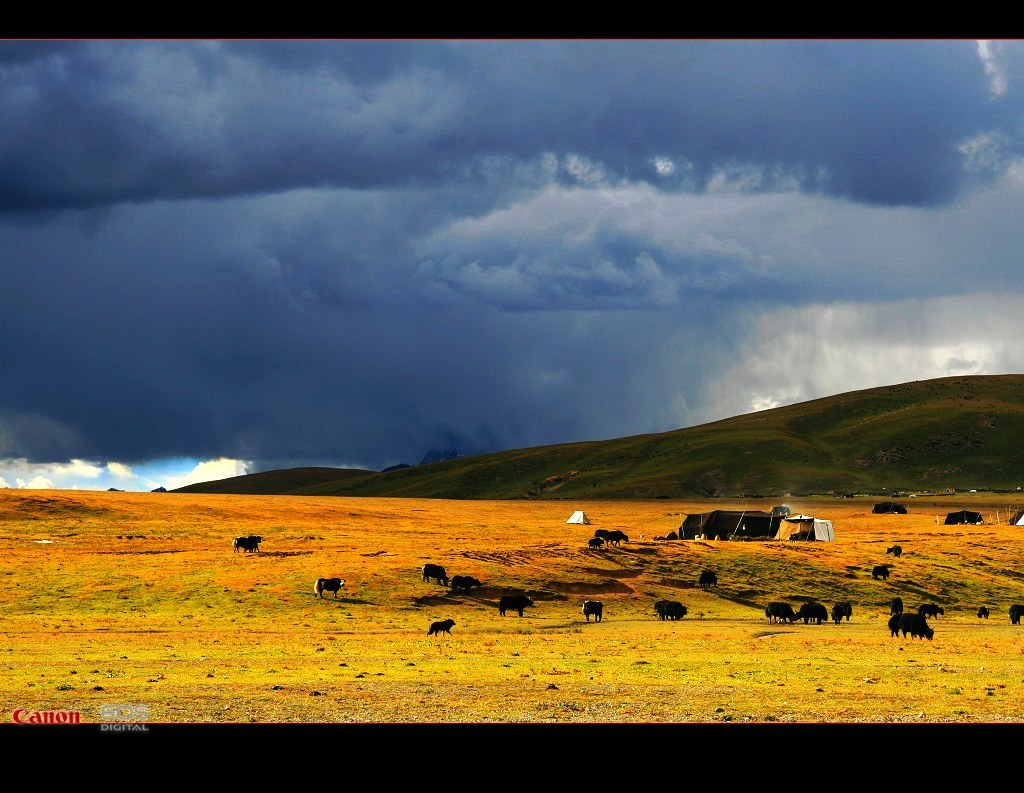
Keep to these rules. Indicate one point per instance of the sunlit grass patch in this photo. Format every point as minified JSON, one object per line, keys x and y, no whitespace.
{"x":177,"y":620}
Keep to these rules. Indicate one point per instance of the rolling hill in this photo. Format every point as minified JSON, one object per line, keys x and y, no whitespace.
{"x":269,"y":483}
{"x":926,"y":436}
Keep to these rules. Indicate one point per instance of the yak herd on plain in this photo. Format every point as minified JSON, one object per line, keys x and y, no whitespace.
{"x":900,"y":622}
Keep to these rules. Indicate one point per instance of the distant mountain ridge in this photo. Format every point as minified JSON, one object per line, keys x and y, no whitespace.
{"x":929,"y":435}
{"x":441,"y":456}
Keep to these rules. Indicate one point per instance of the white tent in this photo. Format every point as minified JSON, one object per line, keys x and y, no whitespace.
{"x":1017,"y":519}
{"x":806,"y":526}
{"x":823,"y":530}
{"x":578,"y":517}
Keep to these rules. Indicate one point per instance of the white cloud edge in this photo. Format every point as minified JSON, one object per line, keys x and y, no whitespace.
{"x":84,"y":475}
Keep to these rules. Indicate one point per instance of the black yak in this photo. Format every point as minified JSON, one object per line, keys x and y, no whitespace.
{"x":248,"y":544}
{"x":670,"y":609}
{"x":514,"y":603}
{"x":465,"y":582}
{"x":328,"y":584}
{"x":916,"y":625}
{"x":812,"y":612}
{"x":780,"y":612}
{"x":436,"y":572}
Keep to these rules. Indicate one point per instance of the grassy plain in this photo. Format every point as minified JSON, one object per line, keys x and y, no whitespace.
{"x":112,"y":598}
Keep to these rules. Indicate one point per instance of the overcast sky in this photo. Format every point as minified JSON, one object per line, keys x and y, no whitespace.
{"x":225,"y":257}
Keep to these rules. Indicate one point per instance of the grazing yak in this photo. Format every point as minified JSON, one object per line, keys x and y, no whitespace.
{"x":895,"y":551}
{"x":444,"y":626}
{"x":247,"y":544}
{"x":595,"y":607}
{"x":844,"y":608}
{"x":436,"y":572}
{"x":670,"y":609}
{"x":707,"y":579}
{"x":897,"y":606}
{"x":780,"y":612}
{"x":914,"y":624}
{"x":328,"y":584}
{"x":881,"y":571}
{"x":466,"y":582}
{"x":812,"y":612}
{"x":1016,"y":612}
{"x":514,"y":603}
{"x":615,"y":537}
{"x":983,"y":612}
{"x":596,"y":542}
{"x":930,"y":610}
{"x":601,"y":534}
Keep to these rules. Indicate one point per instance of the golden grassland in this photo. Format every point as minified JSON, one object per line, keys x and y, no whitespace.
{"x":112,"y":598}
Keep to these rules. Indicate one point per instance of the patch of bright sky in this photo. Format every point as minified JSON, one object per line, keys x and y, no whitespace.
{"x":84,"y":475}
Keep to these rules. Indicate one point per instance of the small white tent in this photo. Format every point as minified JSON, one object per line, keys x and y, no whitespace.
{"x":1017,"y":519}
{"x":805,"y":527}
{"x":578,"y":517}
{"x":823,"y":530}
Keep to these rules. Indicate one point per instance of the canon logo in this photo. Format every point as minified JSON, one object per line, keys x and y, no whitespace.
{"x":24,"y":716}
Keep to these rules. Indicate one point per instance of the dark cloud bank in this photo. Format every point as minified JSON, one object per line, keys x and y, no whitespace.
{"x":348,"y":253}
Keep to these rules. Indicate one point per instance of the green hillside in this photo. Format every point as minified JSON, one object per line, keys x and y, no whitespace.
{"x":280,"y":482}
{"x":930,"y":435}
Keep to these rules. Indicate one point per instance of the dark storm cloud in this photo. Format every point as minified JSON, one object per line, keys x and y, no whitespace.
{"x":352,"y":252}
{"x":191,"y":330}
{"x":109,"y":122}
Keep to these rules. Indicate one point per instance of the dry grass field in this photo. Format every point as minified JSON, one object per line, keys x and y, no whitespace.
{"x":112,"y":598}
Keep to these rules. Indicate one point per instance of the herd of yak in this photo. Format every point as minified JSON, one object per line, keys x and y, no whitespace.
{"x":914,"y":624}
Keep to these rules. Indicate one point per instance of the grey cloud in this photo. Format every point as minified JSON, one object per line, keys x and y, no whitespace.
{"x":803,"y":353}
{"x":526,"y":284}
{"x":113,"y":122}
{"x":635,"y":247}
{"x":193,"y":329}
{"x":575,"y":249}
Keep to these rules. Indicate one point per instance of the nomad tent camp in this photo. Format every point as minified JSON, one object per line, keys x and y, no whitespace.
{"x":889,"y":506}
{"x":728,"y":525}
{"x":805,"y":527}
{"x":578,"y":517}
{"x":964,"y":516}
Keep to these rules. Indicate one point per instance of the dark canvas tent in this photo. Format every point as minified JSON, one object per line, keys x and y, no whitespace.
{"x":782,"y":510}
{"x":889,"y":506}
{"x":1017,"y":519}
{"x":728,"y":524}
{"x":963,"y":516}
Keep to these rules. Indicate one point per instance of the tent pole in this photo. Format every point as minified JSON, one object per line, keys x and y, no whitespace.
{"x":740,"y":523}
